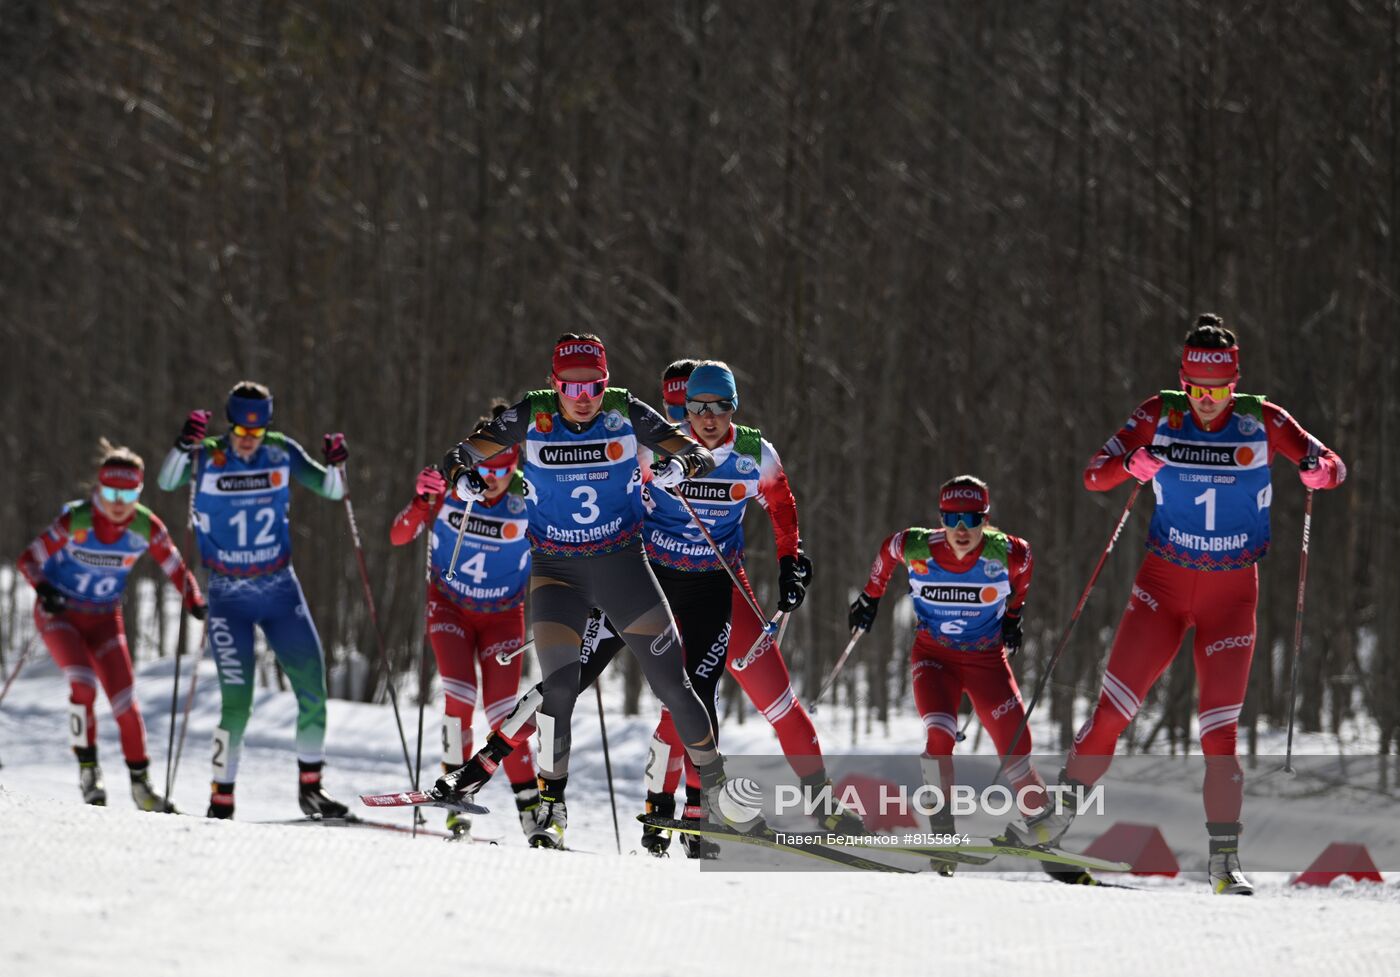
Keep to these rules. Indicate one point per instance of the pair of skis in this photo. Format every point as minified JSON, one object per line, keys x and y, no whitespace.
{"x":979,"y":851}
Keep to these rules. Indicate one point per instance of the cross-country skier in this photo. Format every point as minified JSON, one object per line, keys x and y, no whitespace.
{"x":243,"y":486}
{"x":702,"y":596}
{"x":480,"y":612}
{"x":79,"y":569}
{"x":1206,"y":450}
{"x":968,"y":582}
{"x":704,"y":397}
{"x":583,"y":488}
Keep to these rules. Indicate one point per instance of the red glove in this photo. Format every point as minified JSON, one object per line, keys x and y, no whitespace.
{"x":1142,"y":464}
{"x":430,"y":484}
{"x":334,"y":449}
{"x":1313,"y":473}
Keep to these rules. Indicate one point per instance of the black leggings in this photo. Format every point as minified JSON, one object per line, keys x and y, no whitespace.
{"x":563,"y":590}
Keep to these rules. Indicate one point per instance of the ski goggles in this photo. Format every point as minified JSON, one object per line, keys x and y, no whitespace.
{"x":1196,"y":392}
{"x":110,"y":494}
{"x":493,"y":472}
{"x":698,"y":407}
{"x":249,"y":432}
{"x":952,"y":520}
{"x":573,"y":389}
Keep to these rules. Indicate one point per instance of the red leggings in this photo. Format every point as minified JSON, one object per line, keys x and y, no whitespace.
{"x":464,"y":642}
{"x":941,"y":676}
{"x":91,"y":648}
{"x":769,"y":687}
{"x":1166,"y":601}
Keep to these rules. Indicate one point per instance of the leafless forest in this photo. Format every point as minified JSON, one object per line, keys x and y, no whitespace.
{"x":932,"y":237}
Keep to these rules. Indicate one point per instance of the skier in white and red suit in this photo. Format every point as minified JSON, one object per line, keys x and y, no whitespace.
{"x":1206,"y":449}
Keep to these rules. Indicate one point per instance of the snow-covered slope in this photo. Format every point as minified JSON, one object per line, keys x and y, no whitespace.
{"x":114,"y":891}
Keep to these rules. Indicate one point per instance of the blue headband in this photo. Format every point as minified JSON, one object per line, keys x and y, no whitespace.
{"x":714,"y":380}
{"x":248,"y":411}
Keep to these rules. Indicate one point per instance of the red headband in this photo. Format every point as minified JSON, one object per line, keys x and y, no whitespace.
{"x":964,"y":498}
{"x":120,"y":476}
{"x":509,"y":457}
{"x":573,"y":353}
{"x":1211,"y":364}
{"x":673,"y":391}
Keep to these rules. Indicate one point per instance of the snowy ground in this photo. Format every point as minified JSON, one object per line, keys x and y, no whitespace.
{"x":91,"y":890}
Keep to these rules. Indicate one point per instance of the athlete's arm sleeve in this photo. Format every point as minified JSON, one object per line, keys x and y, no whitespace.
{"x":1105,"y":470}
{"x":408,"y":524}
{"x":175,"y":470}
{"x":891,"y":555}
{"x":1287,"y":437}
{"x":655,"y":430}
{"x":775,"y":495}
{"x":164,"y":552}
{"x":46,"y":544}
{"x":325,"y":481}
{"x":494,"y":436}
{"x":1021,"y":565}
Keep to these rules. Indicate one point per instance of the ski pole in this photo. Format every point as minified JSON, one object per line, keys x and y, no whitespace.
{"x":461,"y":531}
{"x":506,"y":657}
{"x":422,"y":666}
{"x":607,"y":763}
{"x":1298,"y":629}
{"x":768,"y":626}
{"x":189,"y":700}
{"x":180,"y":627}
{"x":19,"y":663}
{"x":856,"y":634}
{"x":374,"y":621}
{"x":1069,"y":627}
{"x":962,"y":733}
{"x":765,"y":637}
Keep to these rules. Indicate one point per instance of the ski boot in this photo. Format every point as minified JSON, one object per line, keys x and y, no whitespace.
{"x":734,"y":803}
{"x":941,"y":822}
{"x":143,"y":793}
{"x":90,"y":777}
{"x":463,"y":783}
{"x":657,"y":841}
{"x":551,"y":816}
{"x":220,"y":801}
{"x":527,"y":800}
{"x":697,"y":846}
{"x":1226,"y":876}
{"x":459,"y":826}
{"x":313,"y":797}
{"x":832,"y":815}
{"x":1047,"y":826}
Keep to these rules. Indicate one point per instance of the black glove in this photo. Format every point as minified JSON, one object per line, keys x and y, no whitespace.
{"x":803,"y":568}
{"x":1011,"y":632}
{"x":696,"y":459}
{"x":199,"y":611}
{"x":51,"y":598}
{"x":791,"y":588}
{"x":457,"y":463}
{"x":863,"y":612}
